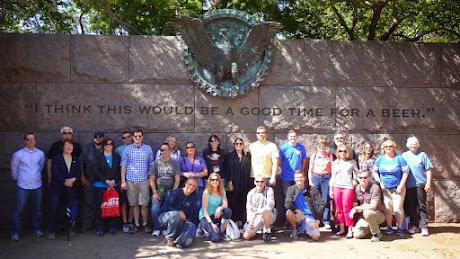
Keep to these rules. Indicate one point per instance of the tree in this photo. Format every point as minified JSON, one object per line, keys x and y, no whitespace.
{"x":384,"y":20}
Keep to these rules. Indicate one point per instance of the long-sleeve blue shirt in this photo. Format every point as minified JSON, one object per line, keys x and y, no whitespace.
{"x":26,"y":168}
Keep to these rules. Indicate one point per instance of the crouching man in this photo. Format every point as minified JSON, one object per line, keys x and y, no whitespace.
{"x":367,"y":201}
{"x":304,"y":202}
{"x":179,"y":206}
{"x":260,"y":210}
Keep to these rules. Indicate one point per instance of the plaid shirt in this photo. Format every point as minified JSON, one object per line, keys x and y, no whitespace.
{"x":137,"y":161}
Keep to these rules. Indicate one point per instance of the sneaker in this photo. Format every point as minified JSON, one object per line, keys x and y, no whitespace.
{"x":156,"y":233}
{"x":266,"y":237}
{"x":294,"y":233}
{"x":51,"y":236}
{"x":327,"y":226}
{"x":399,"y":232}
{"x":376,"y":237}
{"x":15,"y":237}
{"x":164,"y":232}
{"x":134,"y":229}
{"x":226,"y":238}
{"x":99,"y":233}
{"x":199,"y":232}
{"x":38,"y":233}
{"x":425,"y":232}
{"x":125,"y":227}
{"x":412,"y":230}
{"x":389,"y":230}
{"x":147,"y":229}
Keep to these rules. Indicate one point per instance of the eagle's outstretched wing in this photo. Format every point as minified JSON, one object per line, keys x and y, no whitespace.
{"x":258,"y":39}
{"x":197,"y":40}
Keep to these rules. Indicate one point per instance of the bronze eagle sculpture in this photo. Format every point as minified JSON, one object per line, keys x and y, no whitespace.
{"x":224,"y":58}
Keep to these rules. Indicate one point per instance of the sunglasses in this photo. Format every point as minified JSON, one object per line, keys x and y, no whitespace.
{"x":214,"y":141}
{"x":342,"y":151}
{"x":260,"y":181}
{"x":164,"y":150}
{"x":97,"y":136}
{"x":30,"y":139}
{"x":190,"y":147}
{"x":125,"y":137}
{"x":67,"y":133}
{"x":238,"y":143}
{"x":214,"y":180}
{"x":388,"y":146}
{"x":109,"y":144}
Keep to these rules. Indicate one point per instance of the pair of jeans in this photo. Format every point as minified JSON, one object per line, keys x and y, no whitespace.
{"x":99,"y":221}
{"x":22,"y":196}
{"x":213,"y":236}
{"x":154,"y":212}
{"x":173,"y":223}
{"x":322,"y":184}
{"x":284,"y":186}
{"x":344,"y":202}
{"x":59,"y":195}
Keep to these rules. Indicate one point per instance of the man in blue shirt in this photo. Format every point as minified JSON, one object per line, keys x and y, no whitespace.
{"x":135,"y":163}
{"x":26,"y":168}
{"x":292,"y":158}
{"x":305,"y":206}
{"x":178,"y":207}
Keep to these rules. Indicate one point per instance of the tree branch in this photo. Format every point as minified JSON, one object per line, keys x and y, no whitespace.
{"x":377,"y":7}
{"x":131,"y":29}
{"x":81,"y":24}
{"x":342,"y":21}
{"x":395,"y":24}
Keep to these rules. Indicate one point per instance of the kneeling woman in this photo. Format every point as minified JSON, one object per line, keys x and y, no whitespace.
{"x":215,"y":209}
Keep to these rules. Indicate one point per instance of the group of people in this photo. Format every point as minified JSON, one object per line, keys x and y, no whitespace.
{"x":348,"y":193}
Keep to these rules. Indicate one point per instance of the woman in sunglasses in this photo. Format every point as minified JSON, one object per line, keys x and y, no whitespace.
{"x":107,"y":176}
{"x":214,"y":157}
{"x":193,"y":166}
{"x":175,"y":153}
{"x":391,"y":170}
{"x":238,"y":169}
{"x":342,"y":185}
{"x":215,"y":213}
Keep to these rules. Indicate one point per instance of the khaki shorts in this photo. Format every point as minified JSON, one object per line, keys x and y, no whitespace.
{"x":258,"y":223}
{"x":394,"y":202}
{"x":138,"y":193}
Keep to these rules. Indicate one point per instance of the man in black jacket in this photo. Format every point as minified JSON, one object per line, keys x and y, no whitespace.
{"x":304,"y":203}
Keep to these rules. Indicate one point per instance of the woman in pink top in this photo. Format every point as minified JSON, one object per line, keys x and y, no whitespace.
{"x":319,"y":175}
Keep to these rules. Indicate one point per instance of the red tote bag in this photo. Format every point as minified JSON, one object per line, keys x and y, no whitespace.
{"x":110,"y":206}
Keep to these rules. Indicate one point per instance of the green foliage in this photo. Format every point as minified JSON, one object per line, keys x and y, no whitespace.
{"x":394,"y":20}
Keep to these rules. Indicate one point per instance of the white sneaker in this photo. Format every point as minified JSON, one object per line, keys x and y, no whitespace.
{"x":156,"y":233}
{"x":425,"y":232}
{"x":163,"y":232}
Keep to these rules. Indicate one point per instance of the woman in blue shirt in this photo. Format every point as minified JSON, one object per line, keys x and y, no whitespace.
{"x":215,"y":213}
{"x":392,"y":171}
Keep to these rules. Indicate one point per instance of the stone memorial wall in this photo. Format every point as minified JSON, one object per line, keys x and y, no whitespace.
{"x":369,"y":90}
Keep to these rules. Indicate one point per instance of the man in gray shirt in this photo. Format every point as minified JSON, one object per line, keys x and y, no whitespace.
{"x":164,"y":177}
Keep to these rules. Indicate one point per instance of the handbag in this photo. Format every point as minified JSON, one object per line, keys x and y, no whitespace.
{"x":232,"y":230}
{"x":110,"y":206}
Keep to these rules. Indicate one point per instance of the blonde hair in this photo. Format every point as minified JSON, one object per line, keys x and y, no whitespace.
{"x":321,"y":141}
{"x":348,"y":157}
{"x":174,"y":149}
{"x":220,"y":188}
{"x":382,"y":147}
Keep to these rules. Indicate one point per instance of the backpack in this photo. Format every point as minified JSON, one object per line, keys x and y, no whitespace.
{"x":187,"y":235}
